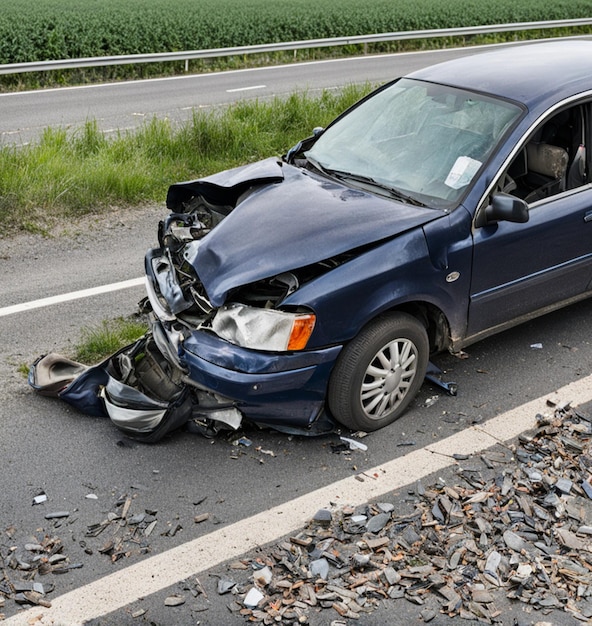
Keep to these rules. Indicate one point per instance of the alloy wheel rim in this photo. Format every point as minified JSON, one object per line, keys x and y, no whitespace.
{"x":388,"y":378}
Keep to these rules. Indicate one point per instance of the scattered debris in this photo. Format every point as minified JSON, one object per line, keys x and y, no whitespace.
{"x":431,"y":400}
{"x":57,"y":515}
{"x":42,"y":555}
{"x":434,"y":375}
{"x":253,"y":597}
{"x":267,"y":452}
{"x":353,"y":444}
{"x":518,"y":521}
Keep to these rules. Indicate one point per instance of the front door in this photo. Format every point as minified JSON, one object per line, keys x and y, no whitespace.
{"x":519,"y":269}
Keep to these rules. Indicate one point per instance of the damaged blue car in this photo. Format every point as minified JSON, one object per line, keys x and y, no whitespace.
{"x":309,"y":290}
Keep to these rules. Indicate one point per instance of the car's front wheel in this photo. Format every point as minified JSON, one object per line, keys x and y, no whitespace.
{"x":379,"y":372}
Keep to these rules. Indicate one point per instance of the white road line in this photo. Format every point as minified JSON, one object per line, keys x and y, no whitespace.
{"x":246,"y":88}
{"x":73,"y":295}
{"x":153,"y":574}
{"x":368,"y":59}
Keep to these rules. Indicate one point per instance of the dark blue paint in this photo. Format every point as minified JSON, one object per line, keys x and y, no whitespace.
{"x":478,"y":278}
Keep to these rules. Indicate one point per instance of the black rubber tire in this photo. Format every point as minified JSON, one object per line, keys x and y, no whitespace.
{"x":367,"y":361}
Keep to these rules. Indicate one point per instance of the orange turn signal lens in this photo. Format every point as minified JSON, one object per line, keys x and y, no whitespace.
{"x":301,"y":331}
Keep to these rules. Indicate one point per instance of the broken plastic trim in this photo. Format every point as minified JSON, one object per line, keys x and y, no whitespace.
{"x":434,"y":375}
{"x":136,"y":419}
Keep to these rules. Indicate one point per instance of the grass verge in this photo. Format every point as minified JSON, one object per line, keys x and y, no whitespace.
{"x":69,"y":174}
{"x":100,"y":341}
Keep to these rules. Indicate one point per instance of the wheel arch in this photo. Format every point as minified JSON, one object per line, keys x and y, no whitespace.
{"x":433,"y":319}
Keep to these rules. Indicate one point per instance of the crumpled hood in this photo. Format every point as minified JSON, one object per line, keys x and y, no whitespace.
{"x":292,"y":222}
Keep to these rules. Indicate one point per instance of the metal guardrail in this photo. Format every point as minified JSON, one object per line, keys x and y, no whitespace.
{"x":159,"y":57}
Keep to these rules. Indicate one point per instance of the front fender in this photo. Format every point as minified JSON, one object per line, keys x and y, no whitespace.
{"x":395,"y":273}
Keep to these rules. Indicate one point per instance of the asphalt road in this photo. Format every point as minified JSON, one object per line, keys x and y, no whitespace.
{"x":126,"y":105}
{"x":47,"y":447}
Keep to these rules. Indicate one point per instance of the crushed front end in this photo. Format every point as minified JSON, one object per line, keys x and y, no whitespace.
{"x":243,"y":357}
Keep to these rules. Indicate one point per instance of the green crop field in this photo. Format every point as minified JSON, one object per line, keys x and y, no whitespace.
{"x":36,"y":30}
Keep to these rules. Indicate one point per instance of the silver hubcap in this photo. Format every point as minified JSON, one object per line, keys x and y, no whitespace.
{"x":388,"y":378}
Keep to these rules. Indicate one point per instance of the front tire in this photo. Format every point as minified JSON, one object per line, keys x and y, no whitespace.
{"x":379,"y":372}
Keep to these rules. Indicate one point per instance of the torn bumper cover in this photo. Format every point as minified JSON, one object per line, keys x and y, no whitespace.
{"x":204,"y":379}
{"x":135,"y":388}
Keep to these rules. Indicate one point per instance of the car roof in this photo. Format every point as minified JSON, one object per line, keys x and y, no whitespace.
{"x":529,"y":73}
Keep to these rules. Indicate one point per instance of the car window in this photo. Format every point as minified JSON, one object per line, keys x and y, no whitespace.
{"x":423,"y":139}
{"x":554,"y":159}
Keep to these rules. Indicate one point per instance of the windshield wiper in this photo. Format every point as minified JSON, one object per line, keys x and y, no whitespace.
{"x":392,"y":192}
{"x":397,"y":193}
{"x":318,"y":166}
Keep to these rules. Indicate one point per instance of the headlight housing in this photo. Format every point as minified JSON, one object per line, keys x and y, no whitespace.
{"x":263,"y":329}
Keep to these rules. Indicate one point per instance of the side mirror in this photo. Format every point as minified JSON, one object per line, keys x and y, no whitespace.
{"x":506,"y":208}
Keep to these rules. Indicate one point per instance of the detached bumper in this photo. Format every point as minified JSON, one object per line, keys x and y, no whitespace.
{"x":279,"y":389}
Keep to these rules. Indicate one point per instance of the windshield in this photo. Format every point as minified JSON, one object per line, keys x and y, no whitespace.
{"x":421,"y":141}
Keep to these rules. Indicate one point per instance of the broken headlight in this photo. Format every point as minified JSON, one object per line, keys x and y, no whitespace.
{"x":263,"y":329}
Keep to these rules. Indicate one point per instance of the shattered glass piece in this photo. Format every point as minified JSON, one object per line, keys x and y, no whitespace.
{"x":263,"y":576}
{"x":360,"y":560}
{"x":493,"y":561}
{"x":320,"y":568}
{"x":410,"y":536}
{"x":225,"y":585}
{"x":516,"y":543}
{"x":322,"y":516}
{"x":391,"y":575}
{"x":353,"y":444}
{"x":552,"y":500}
{"x":253,"y":597}
{"x":587,"y":488}
{"x":377,"y":522}
{"x":437,"y":513}
{"x":386,"y":507}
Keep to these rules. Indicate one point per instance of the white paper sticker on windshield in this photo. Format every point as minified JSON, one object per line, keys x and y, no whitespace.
{"x":462,"y":172}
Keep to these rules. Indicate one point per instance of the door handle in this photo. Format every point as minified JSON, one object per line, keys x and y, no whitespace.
{"x":588,"y":216}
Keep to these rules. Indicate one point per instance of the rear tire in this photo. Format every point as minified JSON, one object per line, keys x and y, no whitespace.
{"x":379,"y":372}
